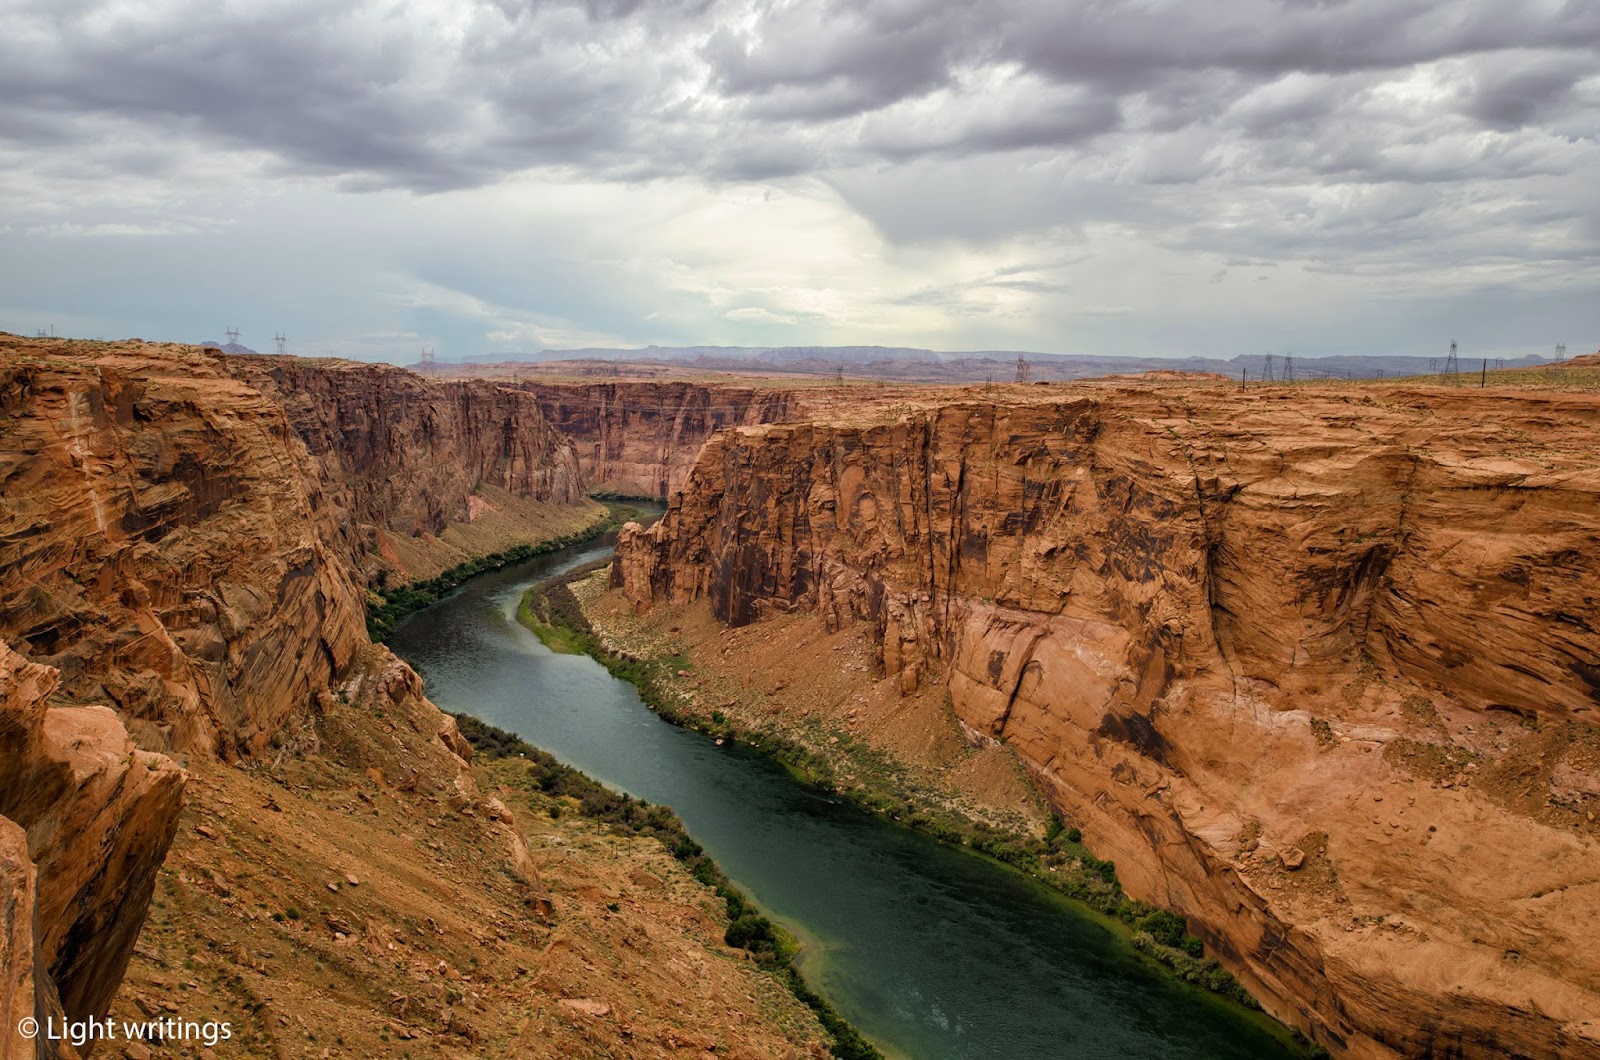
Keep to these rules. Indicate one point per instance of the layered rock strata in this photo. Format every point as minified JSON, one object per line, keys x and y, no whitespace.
{"x":164,"y":542}
{"x":407,"y":454}
{"x":1318,"y":669}
{"x":85,"y":820}
{"x":639,"y":439}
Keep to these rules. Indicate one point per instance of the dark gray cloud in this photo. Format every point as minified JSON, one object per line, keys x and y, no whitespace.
{"x":453,"y":95}
{"x":1004,"y":146}
{"x":831,"y":60}
{"x":1525,"y":90}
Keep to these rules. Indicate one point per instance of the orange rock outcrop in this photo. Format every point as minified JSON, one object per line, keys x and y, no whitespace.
{"x":165,"y":543}
{"x":1318,"y":669}
{"x":85,"y":820}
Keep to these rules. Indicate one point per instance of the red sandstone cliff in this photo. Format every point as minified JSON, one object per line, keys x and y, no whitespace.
{"x":177,"y":546}
{"x":1318,"y":669}
{"x":164,"y":542}
{"x":640,"y":439}
{"x":405,"y":453}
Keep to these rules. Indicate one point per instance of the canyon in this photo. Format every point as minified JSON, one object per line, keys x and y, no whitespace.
{"x":187,"y":544}
{"x":424,"y":473}
{"x":1315,"y":667}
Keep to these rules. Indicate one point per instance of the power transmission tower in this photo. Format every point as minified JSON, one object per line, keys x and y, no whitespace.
{"x":283,"y":343}
{"x":1561,"y":351}
{"x":1288,"y":368}
{"x":1022,"y":369}
{"x":428,"y":363}
{"x":233,"y":335}
{"x":838,"y":374}
{"x":1452,"y":370}
{"x":1266,"y":369}
{"x":1499,"y":363}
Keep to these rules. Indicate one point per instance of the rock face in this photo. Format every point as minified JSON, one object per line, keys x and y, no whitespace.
{"x":164,"y":543}
{"x":639,"y":439}
{"x":404,"y":453}
{"x":181,"y":532}
{"x":1348,"y":630}
{"x":177,"y":546}
{"x":85,"y":820}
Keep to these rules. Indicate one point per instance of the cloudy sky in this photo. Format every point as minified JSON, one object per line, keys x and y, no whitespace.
{"x":1149,"y":176}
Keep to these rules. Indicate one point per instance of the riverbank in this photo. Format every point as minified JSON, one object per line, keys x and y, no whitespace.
{"x":360,"y":892}
{"x":549,"y":787}
{"x":658,"y":654}
{"x":387,"y":604}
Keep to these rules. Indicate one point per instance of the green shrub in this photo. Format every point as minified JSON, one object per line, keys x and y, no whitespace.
{"x":747,"y":929}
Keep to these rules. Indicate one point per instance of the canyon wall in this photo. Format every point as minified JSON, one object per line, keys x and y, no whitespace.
{"x":402,"y":457}
{"x":639,"y":439}
{"x":406,"y":453}
{"x":166,"y":544}
{"x":180,"y":534}
{"x":1318,"y":669}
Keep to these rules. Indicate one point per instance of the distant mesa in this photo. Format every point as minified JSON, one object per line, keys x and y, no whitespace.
{"x":227,"y":347}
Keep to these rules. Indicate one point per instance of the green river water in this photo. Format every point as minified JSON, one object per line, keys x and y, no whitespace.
{"x":930,"y":951}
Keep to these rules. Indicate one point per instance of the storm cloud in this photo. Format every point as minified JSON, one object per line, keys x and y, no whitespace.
{"x":946,"y":145}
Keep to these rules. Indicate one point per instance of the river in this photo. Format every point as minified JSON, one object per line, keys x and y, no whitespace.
{"x":931,"y":952}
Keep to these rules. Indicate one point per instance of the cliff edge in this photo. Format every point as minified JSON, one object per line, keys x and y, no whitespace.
{"x":1316,"y":668}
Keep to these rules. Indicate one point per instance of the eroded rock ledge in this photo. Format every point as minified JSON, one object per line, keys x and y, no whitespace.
{"x":85,"y":821}
{"x":1316,"y":668}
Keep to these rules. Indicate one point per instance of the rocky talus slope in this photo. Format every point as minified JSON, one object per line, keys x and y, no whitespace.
{"x":639,"y":439}
{"x":180,"y":540}
{"x":1316,"y":667}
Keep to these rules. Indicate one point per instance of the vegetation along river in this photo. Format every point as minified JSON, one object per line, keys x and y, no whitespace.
{"x":930,"y":951}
